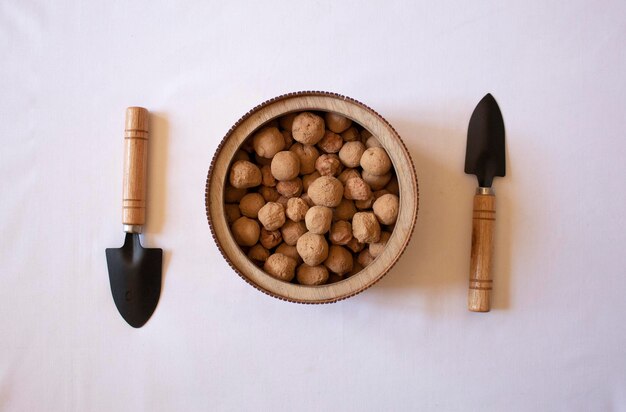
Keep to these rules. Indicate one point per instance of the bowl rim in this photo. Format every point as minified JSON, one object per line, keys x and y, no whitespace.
{"x":407,"y":236}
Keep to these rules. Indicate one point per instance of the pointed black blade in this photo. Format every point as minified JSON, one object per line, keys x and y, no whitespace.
{"x":484,"y":156}
{"x":135,"y":277}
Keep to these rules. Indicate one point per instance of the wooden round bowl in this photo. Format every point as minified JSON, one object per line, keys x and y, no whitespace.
{"x":313,"y":101}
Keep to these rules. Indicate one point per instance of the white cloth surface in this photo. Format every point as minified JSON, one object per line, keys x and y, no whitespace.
{"x":555,"y":339}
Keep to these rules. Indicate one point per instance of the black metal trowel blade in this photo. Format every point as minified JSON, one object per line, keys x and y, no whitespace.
{"x":135,"y":276}
{"x":485,"y":155}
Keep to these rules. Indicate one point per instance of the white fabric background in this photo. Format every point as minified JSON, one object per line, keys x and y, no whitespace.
{"x":556,"y":338}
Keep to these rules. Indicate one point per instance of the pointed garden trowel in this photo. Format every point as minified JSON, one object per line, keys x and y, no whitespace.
{"x":485,"y":158}
{"x":135,"y":272}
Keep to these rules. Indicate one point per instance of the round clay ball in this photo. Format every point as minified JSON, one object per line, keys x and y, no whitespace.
{"x":282,"y":200}
{"x":285,"y":165}
{"x":287,"y":121}
{"x":258,"y":254}
{"x":340,"y":233}
{"x":393,"y":187}
{"x":290,"y":251}
{"x":376,"y":161}
{"x":270,"y":238}
{"x":307,"y":128}
{"x":267,"y":142}
{"x":330,"y":143}
{"x":372,"y":142}
{"x":244,"y":174}
{"x":386,"y":209}
{"x":308,"y":179}
{"x":270,"y":194}
{"x":380,"y":193}
{"x":328,"y":165}
{"x":290,"y":188}
{"x":351,"y":134}
{"x":292,"y":231}
{"x":365,"y":258}
{"x":326,"y":191}
{"x":354,"y":245}
{"x":318,"y":219}
{"x":281,"y":267}
{"x":288,"y":138}
{"x":364,"y":204}
{"x":307,"y":155}
{"x":251,"y":204}
{"x":307,"y":199}
{"x":267,"y":178}
{"x":351,"y":153}
{"x":336,"y":122}
{"x":296,"y":209}
{"x":357,"y":189}
{"x":344,"y":210}
{"x":245,"y":231}
{"x":262,"y":161}
{"x":241,"y":155}
{"x":376,"y":182}
{"x":339,"y":260}
{"x":272,"y":216}
{"x":348,"y":174}
{"x":365,"y":227}
{"x":312,"y":275}
{"x":232,"y":212}
{"x":377,"y":248}
{"x":312,"y":248}
{"x":233,"y":195}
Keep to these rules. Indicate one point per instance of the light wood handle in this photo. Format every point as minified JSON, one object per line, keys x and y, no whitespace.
{"x":481,"y":282}
{"x":135,"y":167}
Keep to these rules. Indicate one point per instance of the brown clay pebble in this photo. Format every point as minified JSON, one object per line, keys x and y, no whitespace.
{"x":287,"y":120}
{"x":377,"y":248}
{"x":344,"y":210}
{"x":372,"y":142}
{"x":351,"y":134}
{"x":312,"y":275}
{"x":241,"y":155}
{"x":288,"y":138}
{"x":348,"y":174}
{"x":328,"y":165}
{"x":282,"y":200}
{"x":350,"y":154}
{"x":290,"y":251}
{"x":262,"y":161}
{"x":326,"y":191}
{"x":364,"y":204}
{"x":292,"y":231}
{"x":258,"y":253}
{"x":307,"y":199}
{"x":272,"y":216}
{"x":334,"y":278}
{"x":251,"y":204}
{"x":365,"y":258}
{"x":244,"y":174}
{"x":340,"y":233}
{"x":336,"y":122}
{"x":330,"y":143}
{"x":267,"y":179}
{"x":285,"y":165}
{"x":267,"y":142}
{"x":365,"y":227}
{"x":376,"y":161}
{"x":296,"y":209}
{"x":386,"y":209}
{"x":281,"y":267}
{"x":356,"y":268}
{"x":270,"y":238}
{"x":393,"y":186}
{"x":232,"y":212}
{"x":355,"y":246}
{"x":308,"y":179}
{"x":233,"y":195}
{"x":312,"y":248}
{"x":318,"y":219}
{"x":245,"y":231}
{"x":307,"y":128}
{"x":307,"y":155}
{"x":357,"y":189}
{"x":380,"y":193}
{"x":270,"y":194}
{"x":290,"y":188}
{"x":376,"y":182}
{"x":339,"y":260}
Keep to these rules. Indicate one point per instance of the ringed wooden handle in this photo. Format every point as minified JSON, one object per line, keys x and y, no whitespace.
{"x":484,"y":219}
{"x":135,"y":168}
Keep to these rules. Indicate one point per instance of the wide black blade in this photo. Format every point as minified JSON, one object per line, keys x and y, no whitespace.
{"x":484,"y":156}
{"x":135,"y":276}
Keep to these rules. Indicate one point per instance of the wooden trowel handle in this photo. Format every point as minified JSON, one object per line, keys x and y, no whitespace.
{"x":484,"y":219}
{"x":135,"y":168}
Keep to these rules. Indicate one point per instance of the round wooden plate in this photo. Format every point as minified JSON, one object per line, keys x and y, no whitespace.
{"x":326,"y":102}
